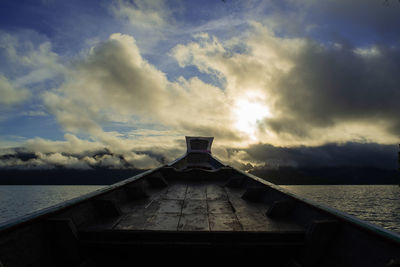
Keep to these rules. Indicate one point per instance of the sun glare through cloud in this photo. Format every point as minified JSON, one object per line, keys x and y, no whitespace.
{"x":248,"y":112}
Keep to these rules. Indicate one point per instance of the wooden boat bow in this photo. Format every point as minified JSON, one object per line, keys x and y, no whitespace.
{"x":194,"y":208}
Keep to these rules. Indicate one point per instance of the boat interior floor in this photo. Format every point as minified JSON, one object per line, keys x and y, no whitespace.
{"x":195,"y":206}
{"x":192,"y":217}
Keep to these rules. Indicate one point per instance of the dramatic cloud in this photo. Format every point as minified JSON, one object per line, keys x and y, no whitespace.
{"x":291,"y":82}
{"x":333,"y":85}
{"x":115,"y":84}
{"x":311,"y":88}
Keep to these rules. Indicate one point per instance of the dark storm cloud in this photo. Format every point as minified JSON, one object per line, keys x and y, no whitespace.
{"x":316,"y":90}
{"x":329,"y":155}
{"x":338,"y":83}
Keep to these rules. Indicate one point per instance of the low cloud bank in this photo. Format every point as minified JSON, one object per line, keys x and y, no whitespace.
{"x":102,"y":159}
{"x":257,"y":156}
{"x":349,"y":154}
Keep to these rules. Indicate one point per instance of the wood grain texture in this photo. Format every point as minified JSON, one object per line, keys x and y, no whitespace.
{"x":201,"y":206}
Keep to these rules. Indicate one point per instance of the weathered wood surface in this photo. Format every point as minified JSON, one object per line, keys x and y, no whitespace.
{"x":194,"y":206}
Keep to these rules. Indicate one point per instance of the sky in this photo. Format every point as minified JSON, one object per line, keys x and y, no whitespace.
{"x":118,"y":84}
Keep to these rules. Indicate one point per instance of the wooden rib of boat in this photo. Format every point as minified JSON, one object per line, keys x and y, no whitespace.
{"x":194,"y":210}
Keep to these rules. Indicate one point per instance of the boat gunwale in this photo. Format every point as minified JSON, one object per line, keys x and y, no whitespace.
{"x":18,"y":222}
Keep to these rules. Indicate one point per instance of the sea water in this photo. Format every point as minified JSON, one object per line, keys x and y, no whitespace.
{"x":378,"y":204}
{"x":20,"y":200}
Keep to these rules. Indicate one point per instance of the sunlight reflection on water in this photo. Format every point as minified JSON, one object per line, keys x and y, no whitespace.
{"x":378,"y":204}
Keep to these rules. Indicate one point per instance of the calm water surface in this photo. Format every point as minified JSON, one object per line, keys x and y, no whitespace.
{"x":19,"y":200}
{"x":378,"y":204}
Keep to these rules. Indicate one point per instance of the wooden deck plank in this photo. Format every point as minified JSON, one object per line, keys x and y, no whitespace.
{"x":140,"y":205}
{"x":196,"y":191}
{"x":253,"y":222}
{"x":194,"y":222}
{"x":164,"y":222}
{"x":215,"y":192}
{"x":192,"y":206}
{"x":219,"y":206}
{"x":138,"y":216}
{"x":224,"y":222}
{"x":176,"y":191}
{"x":170,"y":206}
{"x":199,"y":207}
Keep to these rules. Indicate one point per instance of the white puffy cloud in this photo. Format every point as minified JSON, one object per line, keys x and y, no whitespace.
{"x":312,"y":92}
{"x":57,"y":159}
{"x":114,"y":83}
{"x":76,"y":153}
{"x":71,"y":145}
{"x":11,"y":95}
